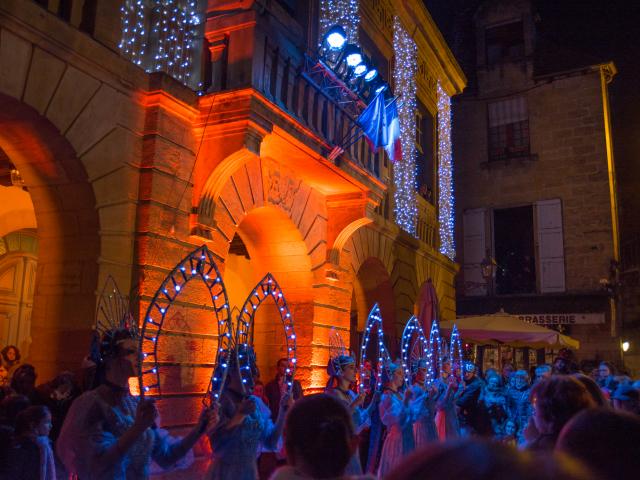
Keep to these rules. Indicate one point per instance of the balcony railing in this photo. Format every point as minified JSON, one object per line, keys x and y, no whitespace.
{"x":427,"y":226}
{"x":282,"y":81}
{"x":79,"y":13}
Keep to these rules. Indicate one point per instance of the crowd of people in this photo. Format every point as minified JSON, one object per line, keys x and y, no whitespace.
{"x":463,"y":424}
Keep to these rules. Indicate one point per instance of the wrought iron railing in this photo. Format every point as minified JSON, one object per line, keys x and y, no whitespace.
{"x":286,"y":82}
{"x":427,"y":225}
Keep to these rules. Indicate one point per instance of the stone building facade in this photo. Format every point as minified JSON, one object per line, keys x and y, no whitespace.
{"x":536,"y":204}
{"x":129,"y":171}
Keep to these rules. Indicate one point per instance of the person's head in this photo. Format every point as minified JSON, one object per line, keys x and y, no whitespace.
{"x":34,"y":420}
{"x":242,"y":371}
{"x":605,"y":369}
{"x":342,"y":367}
{"x":520,"y":380}
{"x":557,"y":399}
{"x":494,"y":382}
{"x":468,"y":371}
{"x":421,"y":371}
{"x":560,"y":366}
{"x":63,"y":386}
{"x":319,"y":437}
{"x":507,"y":370}
{"x":395,"y":375}
{"x":593,"y":389}
{"x":11,"y":354}
{"x":119,"y":352}
{"x":4,"y":376}
{"x":626,"y":398}
{"x":510,"y":428}
{"x":605,"y":440}
{"x":282,"y":366}
{"x":446,"y":367}
{"x":543,"y":371}
{"x":474,"y":459}
{"x":258,"y":389}
{"x":24,"y":379}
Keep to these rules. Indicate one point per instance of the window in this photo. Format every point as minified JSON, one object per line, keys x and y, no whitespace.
{"x":514,"y":250}
{"x":522,"y":253}
{"x":425,"y":152}
{"x":504,"y":43}
{"x":508,"y":129}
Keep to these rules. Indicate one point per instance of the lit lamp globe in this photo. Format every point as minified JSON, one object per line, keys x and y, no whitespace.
{"x":625,"y":346}
{"x":352,"y":55}
{"x":335,"y":38}
{"x":360,"y":69}
{"x":371,"y":75}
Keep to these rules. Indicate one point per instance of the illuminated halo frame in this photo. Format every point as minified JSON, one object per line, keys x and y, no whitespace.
{"x":198,"y":264}
{"x":455,"y":349}
{"x":383,"y":358}
{"x":435,"y":344}
{"x":413,"y":344}
{"x":266,"y":287}
{"x":113,"y":310}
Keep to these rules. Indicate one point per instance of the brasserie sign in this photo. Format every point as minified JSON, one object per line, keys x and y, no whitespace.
{"x":563,"y":318}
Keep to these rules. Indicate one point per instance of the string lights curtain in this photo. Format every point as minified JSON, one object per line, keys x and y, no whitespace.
{"x":340,"y":12}
{"x":404,"y":172}
{"x":445,"y":175}
{"x":162,"y":35}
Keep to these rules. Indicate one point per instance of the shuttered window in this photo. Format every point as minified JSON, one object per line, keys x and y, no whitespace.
{"x":474,"y":244}
{"x":550,"y":246}
{"x":508,"y":129}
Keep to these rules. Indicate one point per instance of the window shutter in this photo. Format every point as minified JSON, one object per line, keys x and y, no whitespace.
{"x":473,"y":224}
{"x":550,"y":246}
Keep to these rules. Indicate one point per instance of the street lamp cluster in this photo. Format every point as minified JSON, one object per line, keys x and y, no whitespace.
{"x":349,"y":64}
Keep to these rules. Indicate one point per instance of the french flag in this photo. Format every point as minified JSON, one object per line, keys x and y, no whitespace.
{"x":393,"y":145}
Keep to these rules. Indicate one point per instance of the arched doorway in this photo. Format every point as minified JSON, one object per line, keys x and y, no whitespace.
{"x":18,"y":258}
{"x":67,"y":232}
{"x":267,"y":241}
{"x":372,"y":284}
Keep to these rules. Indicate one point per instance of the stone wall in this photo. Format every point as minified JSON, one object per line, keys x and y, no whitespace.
{"x":568,"y":162}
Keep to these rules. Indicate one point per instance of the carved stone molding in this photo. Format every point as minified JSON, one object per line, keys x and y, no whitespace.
{"x":281,"y":187}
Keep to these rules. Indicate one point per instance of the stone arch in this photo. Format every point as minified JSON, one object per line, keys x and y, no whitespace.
{"x":260,"y":182}
{"x":367,"y":242}
{"x":245,"y":194}
{"x":68,"y":225}
{"x":98,"y":117}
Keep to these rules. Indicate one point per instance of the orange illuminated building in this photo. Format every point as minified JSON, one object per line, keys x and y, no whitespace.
{"x":109,"y":170}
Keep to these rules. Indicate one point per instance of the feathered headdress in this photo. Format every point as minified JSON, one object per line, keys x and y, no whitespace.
{"x":339,"y":357}
{"x":113,"y":314}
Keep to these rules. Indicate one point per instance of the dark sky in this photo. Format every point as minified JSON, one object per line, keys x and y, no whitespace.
{"x":600,"y":30}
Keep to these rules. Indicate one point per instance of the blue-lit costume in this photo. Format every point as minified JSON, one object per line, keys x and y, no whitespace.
{"x":424,"y":411}
{"x":235,"y":450}
{"x":399,"y":442}
{"x":361,"y":416}
{"x":92,"y":426}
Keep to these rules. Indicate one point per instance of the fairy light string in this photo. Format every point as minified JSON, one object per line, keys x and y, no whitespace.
{"x":445,"y":175}
{"x":404,"y":172}
{"x":162,"y":35}
{"x":340,"y":12}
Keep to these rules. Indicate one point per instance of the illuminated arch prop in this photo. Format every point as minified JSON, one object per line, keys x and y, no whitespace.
{"x":415,"y":347}
{"x":435,"y":345}
{"x":455,"y":349}
{"x":266,"y":287}
{"x":374,"y":322}
{"x":198,"y":264}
